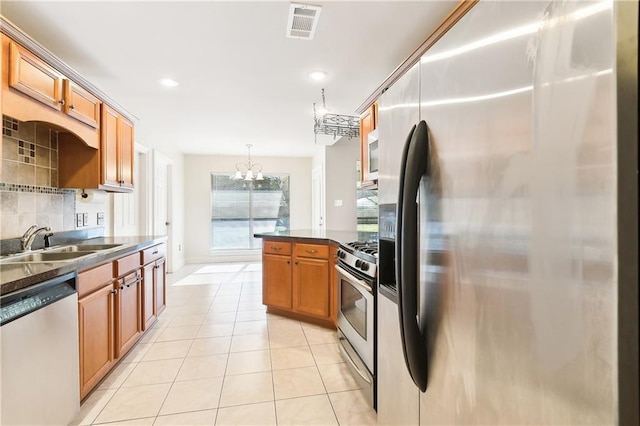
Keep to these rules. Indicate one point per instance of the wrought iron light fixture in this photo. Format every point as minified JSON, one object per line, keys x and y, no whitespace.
{"x":335,"y":125}
{"x":249,"y":167}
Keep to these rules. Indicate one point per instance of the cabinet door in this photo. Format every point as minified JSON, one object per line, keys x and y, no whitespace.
{"x":81,"y":105}
{"x":311,"y":287}
{"x":333,"y":284}
{"x":367,"y":124}
{"x":148,"y":296}
{"x":109,"y":147}
{"x":125,"y":155}
{"x":129,"y":307}
{"x":276,"y":281}
{"x":160,"y":287}
{"x":33,"y":77}
{"x":96,"y":329}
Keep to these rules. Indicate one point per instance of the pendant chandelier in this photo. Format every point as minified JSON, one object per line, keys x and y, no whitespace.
{"x":335,"y":125}
{"x":249,"y":169}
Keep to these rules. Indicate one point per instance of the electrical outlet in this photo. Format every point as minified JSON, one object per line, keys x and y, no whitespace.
{"x":179,"y":247}
{"x":79,"y":220}
{"x":85,"y":219}
{"x":100,"y":219}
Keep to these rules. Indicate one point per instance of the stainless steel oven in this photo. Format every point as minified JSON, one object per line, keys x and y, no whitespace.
{"x":356,"y":313}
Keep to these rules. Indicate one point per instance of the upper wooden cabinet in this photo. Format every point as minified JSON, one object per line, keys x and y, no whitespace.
{"x":368,"y":123}
{"x":33,"y":90}
{"x":110,"y":168}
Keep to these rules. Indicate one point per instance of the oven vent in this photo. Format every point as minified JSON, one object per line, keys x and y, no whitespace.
{"x":303,"y":20}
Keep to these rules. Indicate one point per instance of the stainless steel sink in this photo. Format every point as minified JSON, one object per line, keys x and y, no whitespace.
{"x":44,"y":257}
{"x":83,"y":247}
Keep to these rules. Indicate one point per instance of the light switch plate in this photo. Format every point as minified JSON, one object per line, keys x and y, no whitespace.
{"x":100,"y":219}
{"x":85,"y":219}
{"x":79,"y":220}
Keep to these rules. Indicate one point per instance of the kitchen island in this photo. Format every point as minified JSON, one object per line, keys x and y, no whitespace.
{"x":299,"y":278}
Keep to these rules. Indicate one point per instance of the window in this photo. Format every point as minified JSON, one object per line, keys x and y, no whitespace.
{"x":242,"y":208}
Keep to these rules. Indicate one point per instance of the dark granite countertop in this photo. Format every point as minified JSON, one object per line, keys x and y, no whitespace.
{"x":340,"y":237}
{"x":16,"y":276}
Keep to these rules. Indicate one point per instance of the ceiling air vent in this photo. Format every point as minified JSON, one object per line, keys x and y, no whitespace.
{"x":303,"y":20}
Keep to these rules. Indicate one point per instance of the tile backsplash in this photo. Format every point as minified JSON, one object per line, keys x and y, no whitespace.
{"x":28,"y":193}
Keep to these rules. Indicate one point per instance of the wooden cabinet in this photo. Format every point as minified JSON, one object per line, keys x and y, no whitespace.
{"x":128,"y":312}
{"x":368,"y":123}
{"x":33,"y":90}
{"x":116,"y":304}
{"x":110,"y":168}
{"x":296,"y":280}
{"x":333,"y":285}
{"x":96,"y":325}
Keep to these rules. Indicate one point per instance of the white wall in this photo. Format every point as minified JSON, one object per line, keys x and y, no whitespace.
{"x":178,"y":211}
{"x":340,"y":184}
{"x":197,"y":199}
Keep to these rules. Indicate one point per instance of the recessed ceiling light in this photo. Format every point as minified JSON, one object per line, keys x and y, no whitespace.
{"x":317,"y":75}
{"x":168,"y":82}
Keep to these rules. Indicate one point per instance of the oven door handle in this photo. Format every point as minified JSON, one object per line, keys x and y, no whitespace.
{"x":354,"y":279}
{"x":345,"y":352}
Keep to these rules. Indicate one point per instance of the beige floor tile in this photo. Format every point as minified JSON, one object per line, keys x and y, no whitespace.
{"x":215,"y":330}
{"x":178,"y":333}
{"x":296,"y":357}
{"x":312,"y":410}
{"x":92,"y":406}
{"x":224,"y":307}
{"x":249,"y":342}
{"x":327,"y":353}
{"x":227,"y":298}
{"x":250,"y":297}
{"x":202,"y":367}
{"x":117,"y":376}
{"x":151,"y":335}
{"x":282,"y":338}
{"x":210,"y":346}
{"x":137,"y":352}
{"x":247,"y":389}
{"x":262,"y":414}
{"x":317,"y":335}
{"x":194,"y":418}
{"x":192,"y":395}
{"x":183,"y":320}
{"x":167,"y":350}
{"x":220,"y":317}
{"x":255,"y":305}
{"x":248,"y":362}
{"x":193,"y":306}
{"x":250,"y":327}
{"x":134,"y":403}
{"x":199,"y":279}
{"x":257,"y":315}
{"x":351,"y":408}
{"x":278,"y":323}
{"x":150,"y":372}
{"x":337,"y":377}
{"x":297,"y":382}
{"x":147,"y":421}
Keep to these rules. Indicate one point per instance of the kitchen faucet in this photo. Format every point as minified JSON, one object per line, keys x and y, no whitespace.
{"x":30,"y":235}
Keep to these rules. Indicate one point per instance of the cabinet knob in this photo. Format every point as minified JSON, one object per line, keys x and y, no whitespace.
{"x":311,"y":250}
{"x":296,"y":262}
{"x":71,"y":107}
{"x":61,"y":101}
{"x":276,"y":248}
{"x":288,"y":262}
{"x":114,"y":291}
{"x":121,"y":287}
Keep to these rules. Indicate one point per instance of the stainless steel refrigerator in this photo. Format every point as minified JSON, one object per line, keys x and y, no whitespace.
{"x":508,"y":221}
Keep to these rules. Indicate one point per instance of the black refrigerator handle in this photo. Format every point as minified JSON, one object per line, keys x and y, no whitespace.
{"x":415,"y":161}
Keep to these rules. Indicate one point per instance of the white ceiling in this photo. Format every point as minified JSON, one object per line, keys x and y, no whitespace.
{"x":241,"y":80}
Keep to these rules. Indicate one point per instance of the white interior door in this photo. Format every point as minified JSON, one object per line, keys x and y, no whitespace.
{"x":317,"y":199}
{"x":162,"y":166}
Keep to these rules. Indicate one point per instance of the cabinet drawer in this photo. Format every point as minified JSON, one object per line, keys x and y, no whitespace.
{"x":316,"y":251}
{"x":126,"y":264}
{"x":276,"y":247}
{"x":93,"y":279}
{"x":153,"y":253}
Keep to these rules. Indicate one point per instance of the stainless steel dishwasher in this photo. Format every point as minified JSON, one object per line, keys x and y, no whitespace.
{"x":39,"y":368}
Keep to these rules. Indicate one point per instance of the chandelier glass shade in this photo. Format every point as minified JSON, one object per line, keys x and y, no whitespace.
{"x":336,"y":125}
{"x":251,"y":170}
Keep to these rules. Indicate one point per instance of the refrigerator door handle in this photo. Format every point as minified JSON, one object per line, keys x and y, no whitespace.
{"x":415,"y":161}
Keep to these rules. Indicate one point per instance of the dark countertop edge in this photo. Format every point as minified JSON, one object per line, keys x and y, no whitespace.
{"x":45,"y":271}
{"x":307,"y":235}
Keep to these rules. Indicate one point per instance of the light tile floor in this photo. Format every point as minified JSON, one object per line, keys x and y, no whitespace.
{"x":215,"y":357}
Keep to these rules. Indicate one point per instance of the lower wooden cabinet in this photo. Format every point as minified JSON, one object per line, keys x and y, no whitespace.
{"x":296,"y":279}
{"x":96,"y":327}
{"x":117,"y":302}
